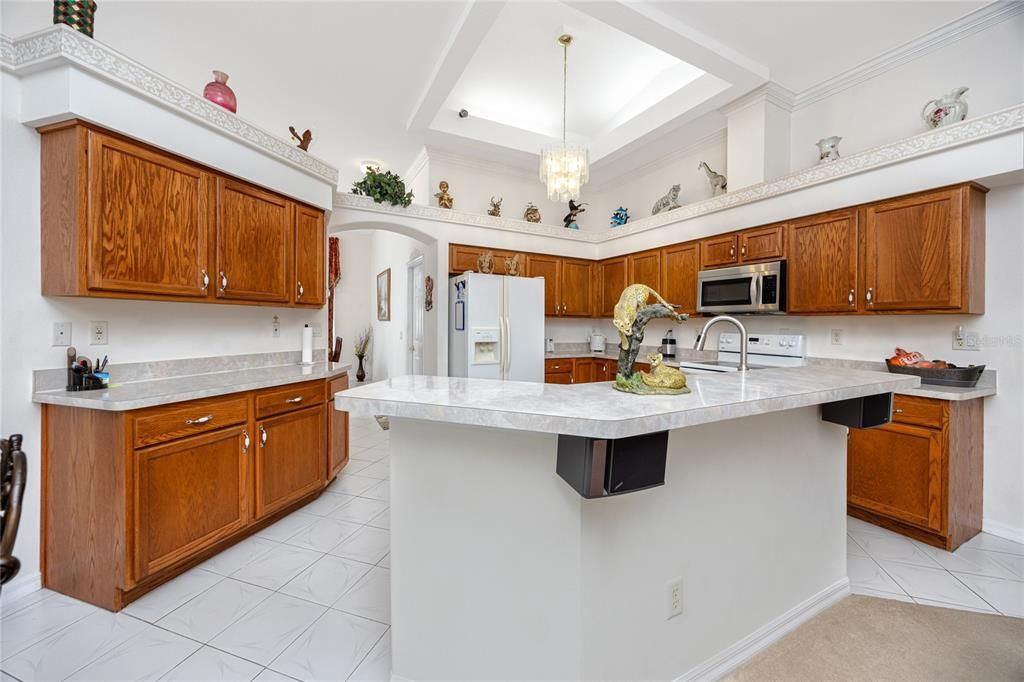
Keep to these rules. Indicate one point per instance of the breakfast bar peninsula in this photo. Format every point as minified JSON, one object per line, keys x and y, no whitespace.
{"x":516,"y":553}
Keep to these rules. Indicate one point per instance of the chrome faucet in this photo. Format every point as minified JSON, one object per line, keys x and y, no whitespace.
{"x":703,"y":336}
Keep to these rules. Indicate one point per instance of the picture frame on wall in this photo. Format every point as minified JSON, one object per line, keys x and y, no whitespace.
{"x":384,"y":296}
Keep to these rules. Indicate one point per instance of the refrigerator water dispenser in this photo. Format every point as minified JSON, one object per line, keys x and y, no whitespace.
{"x":486,"y":346}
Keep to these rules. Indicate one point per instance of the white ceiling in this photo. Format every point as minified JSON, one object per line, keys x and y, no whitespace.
{"x":379,"y":80}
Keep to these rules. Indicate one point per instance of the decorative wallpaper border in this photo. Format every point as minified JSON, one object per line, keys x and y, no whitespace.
{"x":59,"y":42}
{"x":996,"y":123}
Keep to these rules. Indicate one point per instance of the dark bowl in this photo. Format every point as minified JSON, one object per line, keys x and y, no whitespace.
{"x":963,"y":377}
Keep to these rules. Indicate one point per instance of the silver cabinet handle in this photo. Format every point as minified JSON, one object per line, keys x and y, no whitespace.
{"x":296,"y":399}
{"x":743,"y":250}
{"x":223,"y":281}
{"x":732,"y":250}
{"x":870,"y":296}
{"x":206,"y":281}
{"x":898,"y":410}
{"x":852,"y":297}
{"x":199,"y":420}
{"x":263,"y":436}
{"x":301,"y":290}
{"x":245,"y":441}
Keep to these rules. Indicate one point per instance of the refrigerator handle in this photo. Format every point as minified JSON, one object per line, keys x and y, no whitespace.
{"x":501,"y":343}
{"x":508,"y":347}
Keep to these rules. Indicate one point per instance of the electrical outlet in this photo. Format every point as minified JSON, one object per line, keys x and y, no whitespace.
{"x":276,"y":333}
{"x":837,"y":336}
{"x":61,"y":334}
{"x":318,"y":330}
{"x":674,"y":594}
{"x":98,"y":333}
{"x":965,"y":340}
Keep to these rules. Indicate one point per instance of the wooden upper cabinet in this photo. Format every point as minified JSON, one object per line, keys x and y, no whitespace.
{"x":822,"y":264}
{"x":550,"y":268}
{"x":310,"y":254}
{"x":612,"y":279}
{"x":254,"y":236}
{"x":926,"y":252}
{"x":189,"y":494}
{"x":577,"y":288}
{"x":645,"y":268}
{"x":462,"y":258}
{"x":679,"y":267}
{"x":763,"y":243}
{"x":290,"y":458}
{"x":719,"y":251}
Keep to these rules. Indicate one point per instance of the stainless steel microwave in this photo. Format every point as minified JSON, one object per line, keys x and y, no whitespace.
{"x":756,"y":288}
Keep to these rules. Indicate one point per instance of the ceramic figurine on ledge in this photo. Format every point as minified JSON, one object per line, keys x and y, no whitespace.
{"x":619,"y":217}
{"x":630,"y":320}
{"x":495,"y":209}
{"x":304,"y":139}
{"x":946,"y":110}
{"x":828,"y":149}
{"x":668,"y":202}
{"x":485,"y":263}
{"x":717,"y":180}
{"x":444,"y":200}
{"x":219,"y":92}
{"x":531,"y":214}
{"x":512,"y":265}
{"x":570,"y":217}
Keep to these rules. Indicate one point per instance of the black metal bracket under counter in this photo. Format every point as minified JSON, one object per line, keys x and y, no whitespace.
{"x":859,"y":413}
{"x":600,"y":467}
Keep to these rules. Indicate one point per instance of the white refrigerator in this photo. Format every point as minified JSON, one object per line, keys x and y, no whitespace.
{"x":496,"y":327}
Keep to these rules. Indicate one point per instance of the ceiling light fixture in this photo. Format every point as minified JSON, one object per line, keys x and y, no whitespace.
{"x":564,"y":169}
{"x":367,"y":164}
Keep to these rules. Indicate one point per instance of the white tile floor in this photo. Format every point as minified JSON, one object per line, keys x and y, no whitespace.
{"x":309,"y":597}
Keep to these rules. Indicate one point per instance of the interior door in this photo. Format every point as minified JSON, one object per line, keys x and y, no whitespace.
{"x":189,"y":494}
{"x":822,"y":264}
{"x":290,"y":461}
{"x":149,"y":221}
{"x":254,"y":238}
{"x":310,"y":256}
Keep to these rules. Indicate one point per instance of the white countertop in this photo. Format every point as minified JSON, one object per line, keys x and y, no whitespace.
{"x":597,"y":410}
{"x":135,"y":395}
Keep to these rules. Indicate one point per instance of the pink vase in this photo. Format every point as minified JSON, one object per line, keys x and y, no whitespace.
{"x":218,"y":92}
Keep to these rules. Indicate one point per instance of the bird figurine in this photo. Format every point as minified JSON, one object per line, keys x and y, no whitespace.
{"x":304,"y":139}
{"x":570,"y":217}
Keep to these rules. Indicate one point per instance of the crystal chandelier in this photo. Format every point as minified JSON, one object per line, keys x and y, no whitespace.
{"x":564,"y":169}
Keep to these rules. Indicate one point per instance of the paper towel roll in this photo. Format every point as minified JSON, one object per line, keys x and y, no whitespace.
{"x":307,"y":345}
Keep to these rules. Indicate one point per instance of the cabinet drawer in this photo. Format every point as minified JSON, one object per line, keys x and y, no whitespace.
{"x":288,"y":398}
{"x":921,"y":411}
{"x":170,"y":422}
{"x":559,"y":365}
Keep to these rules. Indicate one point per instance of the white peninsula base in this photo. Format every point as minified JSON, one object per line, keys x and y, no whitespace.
{"x":501,"y":570}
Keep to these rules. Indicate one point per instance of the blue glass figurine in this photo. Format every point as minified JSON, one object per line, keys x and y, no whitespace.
{"x":620,"y":217}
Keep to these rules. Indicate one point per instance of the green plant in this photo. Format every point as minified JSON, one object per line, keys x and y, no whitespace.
{"x":386,"y":186}
{"x":363,"y":342}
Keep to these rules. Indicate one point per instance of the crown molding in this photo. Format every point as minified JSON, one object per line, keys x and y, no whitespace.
{"x":770,"y":93}
{"x":1004,"y":121}
{"x":969,"y":24}
{"x":59,"y":45}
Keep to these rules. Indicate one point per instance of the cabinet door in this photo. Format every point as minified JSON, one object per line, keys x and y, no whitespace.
{"x":550,"y":268}
{"x":679,"y":267}
{"x":254,"y":236}
{"x":583,"y":372}
{"x":577,"y":288}
{"x":645,"y":268}
{"x":604,"y":370}
{"x":337,"y":429}
{"x":763,"y":243}
{"x":611,"y":281}
{"x":718,"y":251}
{"x":462,"y":258}
{"x":149,"y":221}
{"x":822,"y":264}
{"x":290,"y":458}
{"x":897,"y":471}
{"x":558,"y":378}
{"x":189,"y":494}
{"x":310,"y":254}
{"x":913,"y":251}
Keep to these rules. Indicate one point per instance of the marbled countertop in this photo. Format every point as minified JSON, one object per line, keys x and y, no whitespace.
{"x":138,"y":394}
{"x":599,"y":411}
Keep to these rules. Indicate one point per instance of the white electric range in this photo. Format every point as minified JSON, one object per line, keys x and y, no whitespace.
{"x":763,"y":350}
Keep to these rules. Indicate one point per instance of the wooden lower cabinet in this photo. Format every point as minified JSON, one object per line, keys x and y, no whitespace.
{"x":132,"y":499}
{"x":920,"y":475}
{"x":559,"y":371}
{"x":583,"y":371}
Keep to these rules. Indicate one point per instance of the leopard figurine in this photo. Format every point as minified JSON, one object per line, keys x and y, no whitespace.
{"x":632,"y":299}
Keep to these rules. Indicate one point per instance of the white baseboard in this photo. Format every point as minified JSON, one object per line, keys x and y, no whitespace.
{"x":1003,"y":530}
{"x":724,"y":662}
{"x":20,"y":588}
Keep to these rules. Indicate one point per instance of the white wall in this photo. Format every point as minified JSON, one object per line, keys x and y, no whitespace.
{"x":353,"y":308}
{"x":138,"y":330}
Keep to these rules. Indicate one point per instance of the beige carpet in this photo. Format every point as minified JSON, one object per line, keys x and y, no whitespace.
{"x":864,"y":638}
